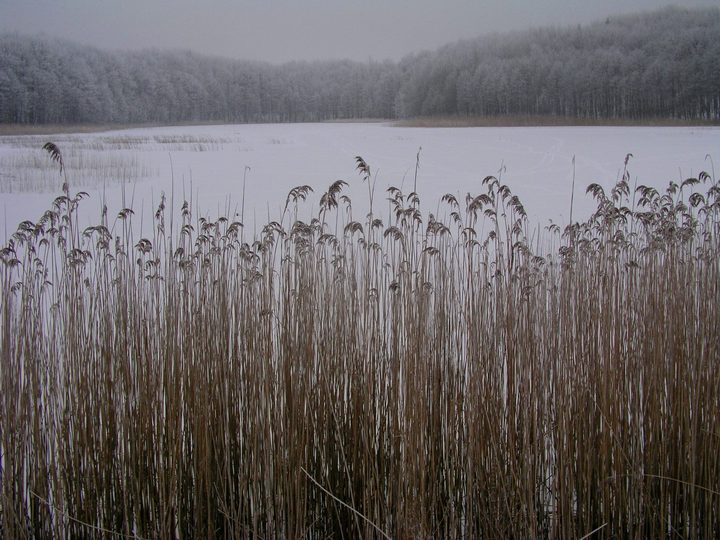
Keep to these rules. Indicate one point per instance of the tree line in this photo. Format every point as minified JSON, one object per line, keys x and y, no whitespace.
{"x":659,"y":64}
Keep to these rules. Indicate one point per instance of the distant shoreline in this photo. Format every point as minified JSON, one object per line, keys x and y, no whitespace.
{"x":421,"y":122}
{"x":53,"y":129}
{"x":546,"y":121}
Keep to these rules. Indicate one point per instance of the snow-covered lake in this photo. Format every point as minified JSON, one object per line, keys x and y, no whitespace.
{"x":207,"y":164}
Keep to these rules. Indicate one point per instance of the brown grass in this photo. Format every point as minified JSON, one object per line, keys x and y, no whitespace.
{"x":430,"y":376}
{"x":54,"y":129}
{"x":544,"y":120}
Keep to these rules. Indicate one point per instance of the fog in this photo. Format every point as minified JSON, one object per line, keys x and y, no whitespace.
{"x":284,"y":30}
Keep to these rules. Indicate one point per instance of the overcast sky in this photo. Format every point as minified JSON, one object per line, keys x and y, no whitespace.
{"x":282,"y":30}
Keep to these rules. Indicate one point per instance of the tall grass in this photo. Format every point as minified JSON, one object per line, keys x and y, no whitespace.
{"x":421,"y":376}
{"x":94,"y":161}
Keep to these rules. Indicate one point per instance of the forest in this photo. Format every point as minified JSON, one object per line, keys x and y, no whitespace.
{"x":661,"y":64}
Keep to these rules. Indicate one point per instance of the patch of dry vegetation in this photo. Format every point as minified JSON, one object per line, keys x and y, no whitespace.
{"x":543,"y":120}
{"x":91,"y":161}
{"x":415,"y":377}
{"x":14,"y":129}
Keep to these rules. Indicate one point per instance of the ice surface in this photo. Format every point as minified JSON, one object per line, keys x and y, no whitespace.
{"x":536,"y":163}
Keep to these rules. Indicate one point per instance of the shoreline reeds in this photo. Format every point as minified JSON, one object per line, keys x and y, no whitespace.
{"x":429,"y":376}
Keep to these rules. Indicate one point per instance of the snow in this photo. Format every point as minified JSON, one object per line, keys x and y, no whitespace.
{"x":537,"y":164}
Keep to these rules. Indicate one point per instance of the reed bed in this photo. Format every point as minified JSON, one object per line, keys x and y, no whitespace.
{"x":407,"y":376}
{"x":30,"y":172}
{"x":138,"y":143}
{"x":94,"y":161}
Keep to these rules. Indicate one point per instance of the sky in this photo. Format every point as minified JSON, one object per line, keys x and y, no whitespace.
{"x":284,"y":30}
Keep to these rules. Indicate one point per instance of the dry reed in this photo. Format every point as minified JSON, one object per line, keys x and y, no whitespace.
{"x":428,"y":376}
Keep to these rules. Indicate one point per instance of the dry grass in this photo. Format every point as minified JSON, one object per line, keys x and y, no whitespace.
{"x":31,"y":172}
{"x":92,"y":161}
{"x":425,"y":376}
{"x":543,"y":120}
{"x":55,"y":129}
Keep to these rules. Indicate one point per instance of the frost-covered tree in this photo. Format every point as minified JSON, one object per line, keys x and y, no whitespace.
{"x":659,"y":64}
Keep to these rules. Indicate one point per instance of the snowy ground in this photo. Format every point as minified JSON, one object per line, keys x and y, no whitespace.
{"x":207,"y":164}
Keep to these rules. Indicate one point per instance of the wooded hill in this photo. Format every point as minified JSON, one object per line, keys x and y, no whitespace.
{"x":662,"y":64}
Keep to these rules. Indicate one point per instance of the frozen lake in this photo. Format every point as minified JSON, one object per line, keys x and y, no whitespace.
{"x":207,"y":164}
